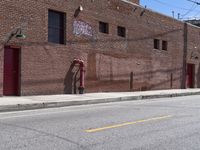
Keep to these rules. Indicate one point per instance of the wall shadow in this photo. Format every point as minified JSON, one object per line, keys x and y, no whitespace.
{"x":68,"y":81}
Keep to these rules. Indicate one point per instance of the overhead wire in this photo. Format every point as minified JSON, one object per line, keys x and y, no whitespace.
{"x":197,"y":14}
{"x":170,"y":5}
{"x":194,"y":6}
{"x":188,"y":11}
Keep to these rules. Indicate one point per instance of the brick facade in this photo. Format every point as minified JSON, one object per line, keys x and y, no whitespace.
{"x":193,"y":51}
{"x":109,"y":59}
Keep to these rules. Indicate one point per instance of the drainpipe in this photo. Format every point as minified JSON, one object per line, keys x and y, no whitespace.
{"x":185,"y":48}
{"x":80,"y":63}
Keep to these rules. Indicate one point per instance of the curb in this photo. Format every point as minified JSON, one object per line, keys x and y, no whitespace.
{"x":21,"y":107}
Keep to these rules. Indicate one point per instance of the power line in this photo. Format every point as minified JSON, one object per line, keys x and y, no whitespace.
{"x":197,"y":14}
{"x":187,"y":10}
{"x":190,"y":10}
{"x":173,"y":6}
{"x":195,"y":2}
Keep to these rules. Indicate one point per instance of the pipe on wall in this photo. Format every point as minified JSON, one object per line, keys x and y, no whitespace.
{"x":80,"y":63}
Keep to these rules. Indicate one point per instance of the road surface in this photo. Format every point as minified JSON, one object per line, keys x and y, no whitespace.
{"x":160,"y":124}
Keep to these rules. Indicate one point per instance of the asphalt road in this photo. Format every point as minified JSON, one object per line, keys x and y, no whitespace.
{"x":160,"y":124}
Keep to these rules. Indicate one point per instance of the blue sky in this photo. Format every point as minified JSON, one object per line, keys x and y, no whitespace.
{"x":187,"y":9}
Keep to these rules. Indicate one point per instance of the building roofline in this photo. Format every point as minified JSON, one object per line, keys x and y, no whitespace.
{"x":153,"y":11}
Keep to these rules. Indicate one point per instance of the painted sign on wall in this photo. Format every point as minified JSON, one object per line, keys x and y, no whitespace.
{"x":82,"y":28}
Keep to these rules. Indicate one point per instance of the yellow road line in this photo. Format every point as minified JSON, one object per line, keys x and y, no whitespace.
{"x":127,"y":123}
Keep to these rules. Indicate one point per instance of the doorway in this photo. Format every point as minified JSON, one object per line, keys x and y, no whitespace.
{"x":11,"y":71}
{"x":190,"y":75}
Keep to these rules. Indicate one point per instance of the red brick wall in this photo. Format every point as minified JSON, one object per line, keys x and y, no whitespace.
{"x":109,"y":59}
{"x":1,"y":70}
{"x":193,"y":56}
{"x":48,"y":69}
{"x":1,"y":50}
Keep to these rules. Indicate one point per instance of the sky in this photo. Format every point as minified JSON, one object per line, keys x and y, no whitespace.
{"x":186,"y":8}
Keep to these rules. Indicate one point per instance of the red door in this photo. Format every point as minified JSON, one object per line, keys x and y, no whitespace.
{"x":11,"y":71}
{"x":190,"y":75}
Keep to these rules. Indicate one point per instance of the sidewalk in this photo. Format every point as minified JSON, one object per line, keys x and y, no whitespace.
{"x":49,"y":101}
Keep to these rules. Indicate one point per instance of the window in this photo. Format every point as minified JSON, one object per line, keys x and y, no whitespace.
{"x":121,"y":31}
{"x":56,"y":27}
{"x":164,"y":45}
{"x":156,"y":44}
{"x":103,"y":27}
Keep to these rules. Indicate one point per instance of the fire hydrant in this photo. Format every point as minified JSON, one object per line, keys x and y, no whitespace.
{"x":82,"y":74}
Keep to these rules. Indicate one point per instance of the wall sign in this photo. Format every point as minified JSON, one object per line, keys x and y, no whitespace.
{"x":82,"y":28}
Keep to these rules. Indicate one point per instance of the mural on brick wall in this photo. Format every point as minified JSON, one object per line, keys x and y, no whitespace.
{"x":82,"y":28}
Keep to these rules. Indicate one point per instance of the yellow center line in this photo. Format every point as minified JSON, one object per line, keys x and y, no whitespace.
{"x":127,"y":123}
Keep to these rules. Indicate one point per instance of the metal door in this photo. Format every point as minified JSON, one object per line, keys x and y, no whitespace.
{"x":11,"y":71}
{"x":190,"y":75}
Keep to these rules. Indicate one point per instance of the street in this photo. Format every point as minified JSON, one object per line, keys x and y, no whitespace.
{"x":156,"y":124}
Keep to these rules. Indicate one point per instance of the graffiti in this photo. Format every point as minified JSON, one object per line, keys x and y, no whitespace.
{"x":82,"y":28}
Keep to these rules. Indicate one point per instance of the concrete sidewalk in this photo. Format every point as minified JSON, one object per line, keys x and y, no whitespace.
{"x":49,"y":101}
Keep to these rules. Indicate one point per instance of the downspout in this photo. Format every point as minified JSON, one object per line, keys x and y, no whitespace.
{"x":185,"y":48}
{"x":80,"y":63}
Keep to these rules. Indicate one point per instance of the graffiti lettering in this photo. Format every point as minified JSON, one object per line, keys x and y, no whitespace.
{"x":82,"y":28}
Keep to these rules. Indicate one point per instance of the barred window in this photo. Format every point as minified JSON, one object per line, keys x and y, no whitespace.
{"x":156,"y":44}
{"x":121,"y":31}
{"x":56,"y":27}
{"x":164,"y":45}
{"x":103,"y":27}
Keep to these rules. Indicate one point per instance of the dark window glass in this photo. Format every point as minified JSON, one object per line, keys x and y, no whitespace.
{"x":121,"y":31}
{"x":56,"y":27}
{"x":103,"y":27}
{"x":156,"y":44}
{"x":164,"y":45}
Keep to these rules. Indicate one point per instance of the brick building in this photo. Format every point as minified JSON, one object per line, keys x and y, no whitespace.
{"x":124,"y":46}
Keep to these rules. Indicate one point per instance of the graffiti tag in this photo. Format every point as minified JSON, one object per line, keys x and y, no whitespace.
{"x":82,"y":28}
